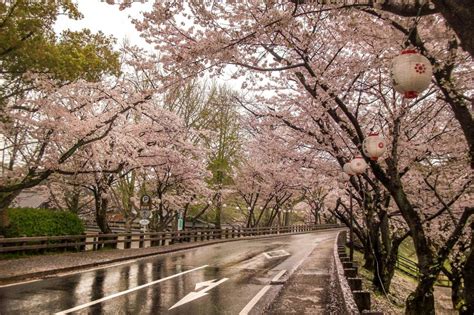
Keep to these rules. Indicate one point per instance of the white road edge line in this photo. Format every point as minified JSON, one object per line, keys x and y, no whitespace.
{"x":254,"y":301}
{"x":126,"y":291}
{"x":304,"y":257}
{"x":18,"y":283}
{"x":264,"y":290}
{"x":68,"y":273}
{"x":259,"y":295}
{"x":281,"y":273}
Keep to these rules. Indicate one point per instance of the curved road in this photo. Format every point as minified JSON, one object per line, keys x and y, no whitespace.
{"x":225,"y":278}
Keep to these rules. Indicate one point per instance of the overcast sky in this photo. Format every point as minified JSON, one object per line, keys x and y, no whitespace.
{"x":100,"y":16}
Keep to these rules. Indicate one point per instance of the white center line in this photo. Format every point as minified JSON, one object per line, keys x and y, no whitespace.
{"x":126,"y":292}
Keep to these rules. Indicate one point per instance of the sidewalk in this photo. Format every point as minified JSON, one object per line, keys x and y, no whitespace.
{"x":307,"y":291}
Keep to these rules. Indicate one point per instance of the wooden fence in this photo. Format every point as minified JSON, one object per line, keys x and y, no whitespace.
{"x":410,"y":268}
{"x":96,"y":241}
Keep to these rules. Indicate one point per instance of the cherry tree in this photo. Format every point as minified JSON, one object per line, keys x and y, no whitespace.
{"x":312,"y":56}
{"x":44,"y":130}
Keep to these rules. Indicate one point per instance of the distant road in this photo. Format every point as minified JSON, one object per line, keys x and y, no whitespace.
{"x":226,"y":278}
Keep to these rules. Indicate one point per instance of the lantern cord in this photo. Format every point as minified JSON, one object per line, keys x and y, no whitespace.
{"x":378,"y":273}
{"x":377,"y":270}
{"x":377,"y":267}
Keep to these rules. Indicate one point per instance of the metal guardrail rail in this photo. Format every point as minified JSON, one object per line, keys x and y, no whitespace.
{"x":96,"y":241}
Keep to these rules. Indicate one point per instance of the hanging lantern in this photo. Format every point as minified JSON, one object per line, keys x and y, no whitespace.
{"x":344,"y":178}
{"x":347,"y":169}
{"x":411,"y":73}
{"x":374,"y":146}
{"x":358,"y":165}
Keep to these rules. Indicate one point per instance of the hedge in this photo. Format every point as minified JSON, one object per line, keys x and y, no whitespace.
{"x":42,"y":222}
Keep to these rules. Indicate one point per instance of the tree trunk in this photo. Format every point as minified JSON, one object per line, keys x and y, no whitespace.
{"x":457,"y":292}
{"x":369,"y":259}
{"x":128,"y":224}
{"x":421,"y":302}
{"x":387,"y":269}
{"x":217,"y":221}
{"x":458,"y":14}
{"x":468,"y":274}
{"x":101,"y":206}
{"x":5,"y":201}
{"x":386,"y":255}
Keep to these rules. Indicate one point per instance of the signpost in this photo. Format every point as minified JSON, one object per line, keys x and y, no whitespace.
{"x":145,"y":210}
{"x":180,"y":221}
{"x":144,"y":222}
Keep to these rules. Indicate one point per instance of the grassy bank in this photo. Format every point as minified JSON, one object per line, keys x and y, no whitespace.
{"x":402,"y":285}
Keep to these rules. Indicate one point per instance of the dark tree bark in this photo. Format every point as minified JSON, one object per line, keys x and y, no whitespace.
{"x":421,"y":302}
{"x":460,"y":16}
{"x":101,"y":206}
{"x":468,"y":274}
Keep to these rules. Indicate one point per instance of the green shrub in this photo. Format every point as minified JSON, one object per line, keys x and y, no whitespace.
{"x":42,"y":222}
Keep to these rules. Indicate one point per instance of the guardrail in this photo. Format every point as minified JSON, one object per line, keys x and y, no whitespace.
{"x":410,"y":268}
{"x":96,"y":241}
{"x":355,"y":300}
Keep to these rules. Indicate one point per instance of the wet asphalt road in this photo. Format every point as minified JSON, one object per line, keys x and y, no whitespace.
{"x":243,"y":263}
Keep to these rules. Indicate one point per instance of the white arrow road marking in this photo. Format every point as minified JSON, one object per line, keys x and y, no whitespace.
{"x":196,"y":295}
{"x":203,"y":284}
{"x":127,"y":291}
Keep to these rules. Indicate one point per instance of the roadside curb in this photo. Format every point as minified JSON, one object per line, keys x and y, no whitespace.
{"x":8,"y":280}
{"x":275,"y":293}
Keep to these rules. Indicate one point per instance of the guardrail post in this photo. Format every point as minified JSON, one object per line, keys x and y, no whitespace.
{"x":362,"y":299}
{"x":43,"y":243}
{"x":83,"y":240}
{"x":350,"y":272}
{"x":141,"y":242}
{"x":94,"y":243}
{"x":355,"y":284}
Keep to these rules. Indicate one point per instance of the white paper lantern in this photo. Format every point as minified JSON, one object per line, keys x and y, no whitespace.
{"x":344,"y":178}
{"x":411,"y":73}
{"x":374,"y":146}
{"x":347,"y":169}
{"x":358,"y":165}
